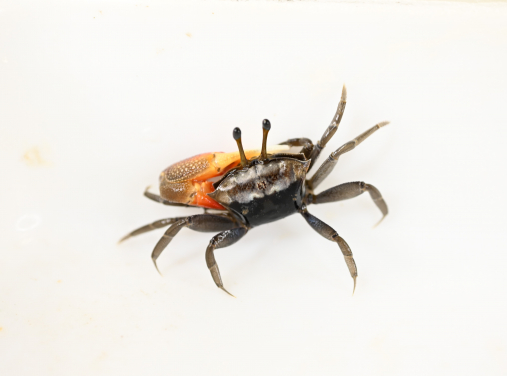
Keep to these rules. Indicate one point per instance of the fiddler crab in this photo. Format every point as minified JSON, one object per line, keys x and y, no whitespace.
{"x":254,"y":189}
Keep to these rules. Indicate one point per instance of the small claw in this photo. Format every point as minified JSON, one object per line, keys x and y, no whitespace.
{"x":222,"y":287}
{"x":354,"y":285}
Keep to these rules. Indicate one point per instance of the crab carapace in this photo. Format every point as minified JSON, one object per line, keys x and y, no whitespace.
{"x":256,"y":188}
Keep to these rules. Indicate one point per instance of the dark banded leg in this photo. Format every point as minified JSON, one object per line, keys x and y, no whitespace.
{"x":331,"y":129}
{"x":306,"y":143}
{"x":328,"y":165}
{"x":199,"y":222}
{"x":224,"y":239}
{"x":152,"y":226}
{"x":350,"y":190}
{"x":330,"y":234}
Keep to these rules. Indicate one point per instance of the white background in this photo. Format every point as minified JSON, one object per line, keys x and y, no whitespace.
{"x":96,"y":99}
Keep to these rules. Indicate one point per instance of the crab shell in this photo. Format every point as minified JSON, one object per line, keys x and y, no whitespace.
{"x":264,"y":192}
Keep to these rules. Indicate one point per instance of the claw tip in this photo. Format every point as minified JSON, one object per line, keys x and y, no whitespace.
{"x":226,"y":291}
{"x":123,"y":239}
{"x":378,"y":223}
{"x":156,"y":267}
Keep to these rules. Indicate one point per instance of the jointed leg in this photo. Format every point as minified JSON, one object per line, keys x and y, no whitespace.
{"x":224,"y":239}
{"x":331,"y":129}
{"x":330,"y":234}
{"x":313,"y":151}
{"x":328,"y":165}
{"x":306,"y":143}
{"x":200,"y":222}
{"x":152,"y":226}
{"x":350,"y":190}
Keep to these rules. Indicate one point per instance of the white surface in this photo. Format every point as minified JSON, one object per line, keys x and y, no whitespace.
{"x":97,"y":99}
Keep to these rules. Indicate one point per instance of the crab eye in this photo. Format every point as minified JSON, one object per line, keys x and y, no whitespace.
{"x":236,"y":133}
{"x":266,"y":124}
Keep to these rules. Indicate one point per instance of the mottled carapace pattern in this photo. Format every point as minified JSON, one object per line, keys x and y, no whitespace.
{"x":264,"y":192}
{"x":187,"y":182}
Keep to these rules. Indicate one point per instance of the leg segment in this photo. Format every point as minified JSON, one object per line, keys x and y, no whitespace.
{"x":330,"y":234}
{"x":152,"y":226}
{"x":221,"y":240}
{"x":200,"y":222}
{"x":331,"y":129}
{"x":350,"y":190}
{"x":328,"y":165}
{"x":306,"y":143}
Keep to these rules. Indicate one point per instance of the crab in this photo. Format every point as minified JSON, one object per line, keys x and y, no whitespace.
{"x":246,"y":189}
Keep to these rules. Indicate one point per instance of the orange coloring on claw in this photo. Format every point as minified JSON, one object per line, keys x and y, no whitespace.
{"x":187,"y":182}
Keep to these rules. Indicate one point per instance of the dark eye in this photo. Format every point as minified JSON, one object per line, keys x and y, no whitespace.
{"x":266,"y":124}
{"x":236,"y":133}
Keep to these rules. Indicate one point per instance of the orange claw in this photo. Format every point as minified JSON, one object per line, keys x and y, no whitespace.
{"x":186,"y":182}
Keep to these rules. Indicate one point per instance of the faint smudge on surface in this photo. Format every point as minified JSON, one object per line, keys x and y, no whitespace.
{"x":34,"y":157}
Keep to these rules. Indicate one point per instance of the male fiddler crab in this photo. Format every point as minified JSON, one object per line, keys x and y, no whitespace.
{"x":254,"y":189}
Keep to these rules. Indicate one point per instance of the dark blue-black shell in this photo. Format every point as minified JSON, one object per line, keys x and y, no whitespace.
{"x":265,"y":191}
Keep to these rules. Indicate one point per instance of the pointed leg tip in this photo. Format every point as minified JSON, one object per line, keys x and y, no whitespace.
{"x":379,"y":222}
{"x":123,"y":239}
{"x":222,"y":287}
{"x":383,"y":124}
{"x":354,"y":289}
{"x":156,"y":267}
